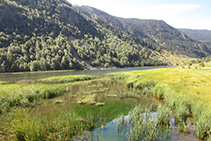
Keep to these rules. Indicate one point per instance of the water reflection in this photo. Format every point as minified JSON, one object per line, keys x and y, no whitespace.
{"x":110,"y":131}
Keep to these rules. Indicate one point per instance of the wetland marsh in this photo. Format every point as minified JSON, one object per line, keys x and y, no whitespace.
{"x":115,"y":106}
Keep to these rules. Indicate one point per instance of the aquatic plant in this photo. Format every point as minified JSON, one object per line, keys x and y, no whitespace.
{"x":143,"y":84}
{"x":87,"y":99}
{"x":66,"y":79}
{"x":183,"y":90}
{"x":28,"y":127}
{"x":23,"y":95}
{"x":144,"y":126}
{"x":203,"y":126}
{"x":131,"y":83}
{"x":164,"y":115}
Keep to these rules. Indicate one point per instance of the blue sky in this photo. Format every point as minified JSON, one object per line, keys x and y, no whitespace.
{"x":192,"y":14}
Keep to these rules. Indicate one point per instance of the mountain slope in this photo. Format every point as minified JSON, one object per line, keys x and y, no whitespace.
{"x":156,"y":31}
{"x":52,"y":35}
{"x":202,"y":35}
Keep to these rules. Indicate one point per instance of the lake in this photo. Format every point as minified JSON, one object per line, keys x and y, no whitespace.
{"x":14,"y":77}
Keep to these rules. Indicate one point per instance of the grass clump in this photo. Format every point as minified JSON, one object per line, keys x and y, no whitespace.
{"x":164,"y":115}
{"x":32,"y":128}
{"x":24,"y":94}
{"x":51,"y":92}
{"x":67,"y":79}
{"x":144,"y":84}
{"x":184,"y":91}
{"x":203,"y":126}
{"x":27,"y":128}
{"x":144,"y":127}
{"x":87,"y":99}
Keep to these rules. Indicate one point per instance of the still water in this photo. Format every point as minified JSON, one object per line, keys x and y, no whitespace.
{"x":117,"y":106}
{"x":111,"y":132}
{"x":14,"y":77}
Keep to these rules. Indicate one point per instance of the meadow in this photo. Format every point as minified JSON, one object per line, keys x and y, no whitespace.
{"x":185,"y":91}
{"x":58,"y":108}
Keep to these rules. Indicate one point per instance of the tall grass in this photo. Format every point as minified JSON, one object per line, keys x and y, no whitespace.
{"x":164,"y":115}
{"x":184,"y":91}
{"x":23,"y":95}
{"x":34,"y":128}
{"x":148,"y":127}
{"x":144,"y":127}
{"x":67,"y":79}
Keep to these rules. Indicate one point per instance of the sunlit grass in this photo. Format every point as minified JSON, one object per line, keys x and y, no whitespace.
{"x":66,"y":79}
{"x":184,"y":91}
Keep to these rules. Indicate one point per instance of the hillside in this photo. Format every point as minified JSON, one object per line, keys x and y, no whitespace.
{"x":52,"y":35}
{"x":155,"y":31}
{"x":202,"y":35}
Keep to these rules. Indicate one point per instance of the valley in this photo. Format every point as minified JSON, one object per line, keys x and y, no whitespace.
{"x":70,"y":72}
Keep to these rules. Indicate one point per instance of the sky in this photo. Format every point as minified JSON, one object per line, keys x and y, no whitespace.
{"x":191,"y":14}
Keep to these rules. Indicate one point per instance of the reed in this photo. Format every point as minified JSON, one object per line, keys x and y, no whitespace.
{"x":23,"y":94}
{"x":164,"y":115}
{"x":66,"y":79}
{"x":144,"y":126}
{"x":183,"y":90}
{"x":33,"y":128}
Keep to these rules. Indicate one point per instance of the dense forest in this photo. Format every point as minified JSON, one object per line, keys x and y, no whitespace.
{"x":202,"y":35}
{"x":156,"y":31}
{"x":52,"y":35}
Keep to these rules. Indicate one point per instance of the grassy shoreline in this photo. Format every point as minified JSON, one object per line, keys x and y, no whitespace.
{"x":183,"y":90}
{"x":31,"y":72}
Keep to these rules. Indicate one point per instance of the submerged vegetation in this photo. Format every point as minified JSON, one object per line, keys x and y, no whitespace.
{"x":185,"y":91}
{"x":22,"y":94}
{"x":85,"y":102}
{"x":66,"y":79}
{"x":68,"y":124}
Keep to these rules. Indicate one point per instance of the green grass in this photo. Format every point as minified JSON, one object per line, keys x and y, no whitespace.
{"x":184,"y":91}
{"x":66,"y":79}
{"x":27,"y":125}
{"x":33,"y":128}
{"x":24,"y":94}
{"x":206,"y":64}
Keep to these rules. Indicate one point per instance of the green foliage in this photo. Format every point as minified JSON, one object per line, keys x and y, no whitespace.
{"x":66,"y":79}
{"x":28,"y":127}
{"x":181,"y":113}
{"x":42,"y":35}
{"x":18,"y":95}
{"x":160,"y":33}
{"x":52,"y":92}
{"x":203,"y":126}
{"x":164,"y":115}
{"x":202,"y":35}
{"x":144,"y":84}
